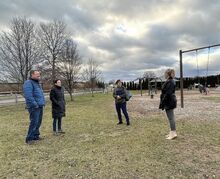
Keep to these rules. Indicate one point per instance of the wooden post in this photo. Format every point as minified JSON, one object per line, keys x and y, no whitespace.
{"x":141,"y":86}
{"x":181,"y":78}
{"x":16,"y":98}
{"x":149,"y":86}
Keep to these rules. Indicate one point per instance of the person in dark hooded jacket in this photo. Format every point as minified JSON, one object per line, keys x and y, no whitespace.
{"x":58,"y":106}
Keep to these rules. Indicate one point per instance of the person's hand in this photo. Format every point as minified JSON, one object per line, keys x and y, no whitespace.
{"x":118,"y":97}
{"x":161,"y":107}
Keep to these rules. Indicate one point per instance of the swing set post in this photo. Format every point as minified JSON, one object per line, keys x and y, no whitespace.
{"x":181,"y":78}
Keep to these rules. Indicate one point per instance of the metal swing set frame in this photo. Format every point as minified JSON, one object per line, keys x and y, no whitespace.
{"x":181,"y":66}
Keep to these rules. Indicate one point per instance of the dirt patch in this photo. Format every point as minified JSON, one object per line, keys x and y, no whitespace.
{"x":196,"y":106}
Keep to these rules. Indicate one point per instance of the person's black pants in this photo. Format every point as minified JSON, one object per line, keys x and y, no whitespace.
{"x":55,"y":122}
{"x":119,"y":107}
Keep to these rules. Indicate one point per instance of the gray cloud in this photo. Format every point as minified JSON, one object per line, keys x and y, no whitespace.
{"x":128,"y":37}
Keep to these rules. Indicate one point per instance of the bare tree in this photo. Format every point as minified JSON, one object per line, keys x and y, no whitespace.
{"x":111,"y":82}
{"x":69,"y":65}
{"x":92,"y":73}
{"x":52,"y":36}
{"x":19,"y":50}
{"x":149,"y":75}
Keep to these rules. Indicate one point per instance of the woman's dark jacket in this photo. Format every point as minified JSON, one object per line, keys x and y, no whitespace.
{"x":168,"y":97}
{"x":58,"y":102}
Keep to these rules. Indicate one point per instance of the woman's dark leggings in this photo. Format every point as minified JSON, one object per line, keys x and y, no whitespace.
{"x":171,"y":117}
{"x":55,"y":121}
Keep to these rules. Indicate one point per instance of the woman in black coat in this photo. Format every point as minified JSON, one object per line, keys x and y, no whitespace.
{"x":168,"y":101}
{"x":58,"y":105}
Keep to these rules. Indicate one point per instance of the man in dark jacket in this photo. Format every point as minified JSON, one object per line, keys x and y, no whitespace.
{"x":35,"y":102}
{"x":120,"y":102}
{"x":58,"y":105}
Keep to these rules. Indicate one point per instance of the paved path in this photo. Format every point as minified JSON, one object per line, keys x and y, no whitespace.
{"x":21,"y":99}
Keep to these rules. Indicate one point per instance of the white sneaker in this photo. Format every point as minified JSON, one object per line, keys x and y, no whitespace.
{"x":172,"y":135}
{"x":167,"y":135}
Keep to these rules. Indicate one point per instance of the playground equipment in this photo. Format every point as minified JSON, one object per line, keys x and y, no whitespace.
{"x":181,"y":66}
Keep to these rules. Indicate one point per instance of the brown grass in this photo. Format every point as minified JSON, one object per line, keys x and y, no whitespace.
{"x":95,"y":147}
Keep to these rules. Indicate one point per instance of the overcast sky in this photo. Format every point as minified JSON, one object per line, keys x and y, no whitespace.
{"x":129,"y":37}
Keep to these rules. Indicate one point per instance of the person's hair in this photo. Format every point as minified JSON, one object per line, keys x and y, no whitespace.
{"x":55,"y":81}
{"x":117,"y":81}
{"x":32,"y":72}
{"x":169,"y":72}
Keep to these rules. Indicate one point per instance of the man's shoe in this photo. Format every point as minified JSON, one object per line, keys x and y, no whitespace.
{"x":128,"y":123}
{"x":30,"y":142}
{"x":38,"y":138}
{"x":119,"y":123}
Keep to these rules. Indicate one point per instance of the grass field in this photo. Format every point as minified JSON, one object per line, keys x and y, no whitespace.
{"x":95,"y":147}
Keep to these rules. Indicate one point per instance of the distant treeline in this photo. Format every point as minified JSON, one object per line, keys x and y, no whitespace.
{"x":211,"y":81}
{"x":136,"y":85}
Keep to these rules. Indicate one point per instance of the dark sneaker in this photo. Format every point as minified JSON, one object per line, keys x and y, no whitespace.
{"x":38,"y":138}
{"x":30,"y":142}
{"x":119,"y":123}
{"x":128,"y":124}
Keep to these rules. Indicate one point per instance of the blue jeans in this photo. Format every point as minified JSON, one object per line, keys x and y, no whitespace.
{"x":35,"y":115}
{"x":119,"y":107}
{"x":59,"y":119}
